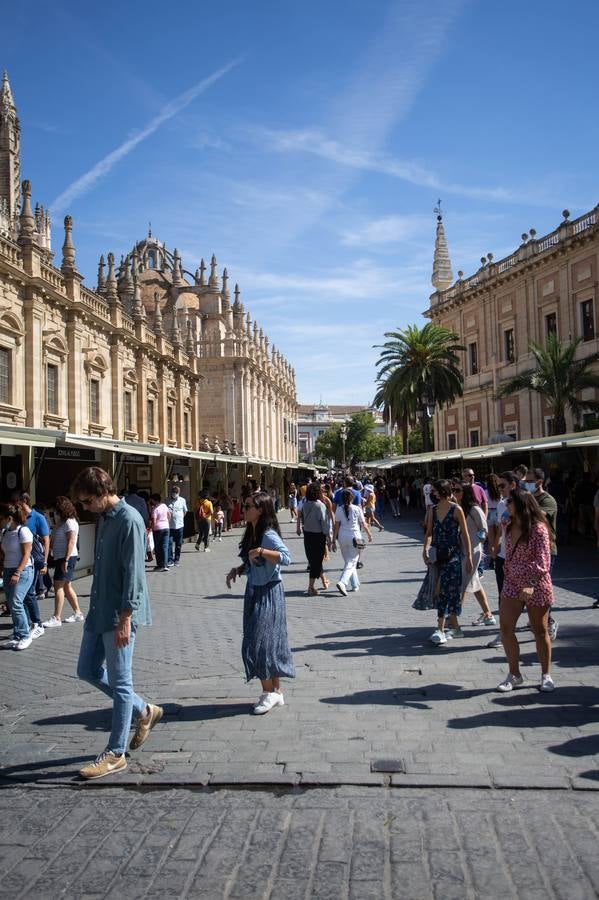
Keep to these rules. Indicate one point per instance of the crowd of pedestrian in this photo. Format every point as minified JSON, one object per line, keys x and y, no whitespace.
{"x":508,"y":523}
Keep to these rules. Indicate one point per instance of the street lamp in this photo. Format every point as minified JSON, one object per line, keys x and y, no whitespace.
{"x":427,"y":411}
{"x":343,"y":440}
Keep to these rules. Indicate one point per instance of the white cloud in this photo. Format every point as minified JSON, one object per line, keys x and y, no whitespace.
{"x":387,"y":230}
{"x":316,"y":142}
{"x":83,"y":184}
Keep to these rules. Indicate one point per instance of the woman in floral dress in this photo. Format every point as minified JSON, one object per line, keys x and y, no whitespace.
{"x":444,"y":526}
{"x":527,"y":583}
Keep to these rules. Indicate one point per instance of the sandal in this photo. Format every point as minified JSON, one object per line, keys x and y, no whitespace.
{"x":312,"y":592}
{"x":326,"y":584}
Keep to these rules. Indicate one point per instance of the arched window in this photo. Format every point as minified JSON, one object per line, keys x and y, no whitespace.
{"x":151,"y":259}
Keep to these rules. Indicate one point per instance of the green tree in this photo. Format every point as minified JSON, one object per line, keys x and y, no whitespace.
{"x":559,"y":378}
{"x":362,"y":442}
{"x":418,"y":366}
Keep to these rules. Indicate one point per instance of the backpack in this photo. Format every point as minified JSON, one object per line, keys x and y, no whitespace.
{"x":201,"y":511}
{"x":38,"y":554}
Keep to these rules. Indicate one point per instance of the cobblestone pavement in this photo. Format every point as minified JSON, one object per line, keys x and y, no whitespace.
{"x":359,"y":843}
{"x":373,"y":701}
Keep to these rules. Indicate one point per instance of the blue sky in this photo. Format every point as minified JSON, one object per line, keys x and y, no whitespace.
{"x":306,"y":144}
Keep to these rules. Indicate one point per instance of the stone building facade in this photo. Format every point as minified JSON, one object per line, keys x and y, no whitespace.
{"x":549,"y":284}
{"x":155,"y":364}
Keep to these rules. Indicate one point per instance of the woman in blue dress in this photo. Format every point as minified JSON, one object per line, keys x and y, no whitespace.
{"x":265,"y":647}
{"x":444,"y":526}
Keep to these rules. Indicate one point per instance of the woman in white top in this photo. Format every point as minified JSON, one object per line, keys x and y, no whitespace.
{"x":349,"y":521}
{"x":18,"y":570}
{"x":476,"y":523}
{"x":63,"y":545}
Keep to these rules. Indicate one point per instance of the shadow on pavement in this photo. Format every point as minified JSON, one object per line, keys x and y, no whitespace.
{"x":204,"y":712}
{"x":43,"y":770}
{"x":404,"y":696}
{"x":90,"y":719}
{"x":409,"y":641}
{"x":588,"y":745}
{"x":529,"y":708}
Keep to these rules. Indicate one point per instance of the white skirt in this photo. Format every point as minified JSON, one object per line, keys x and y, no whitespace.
{"x":471,"y":583}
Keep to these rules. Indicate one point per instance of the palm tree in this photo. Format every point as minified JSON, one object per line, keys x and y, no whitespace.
{"x":558,"y":377}
{"x":418,"y":366}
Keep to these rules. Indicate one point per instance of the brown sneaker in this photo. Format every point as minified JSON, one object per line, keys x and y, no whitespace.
{"x":144,"y":726}
{"x":105,"y":764}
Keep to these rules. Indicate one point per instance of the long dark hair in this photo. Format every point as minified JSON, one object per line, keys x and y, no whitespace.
{"x":442,"y":487}
{"x":493,"y":486}
{"x":468,"y":499}
{"x":252,"y":536}
{"x":528,"y":512}
{"x":348,"y":497}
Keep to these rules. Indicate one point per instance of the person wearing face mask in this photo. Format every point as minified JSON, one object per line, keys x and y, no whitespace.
{"x":534,"y":483}
{"x":177,"y":505}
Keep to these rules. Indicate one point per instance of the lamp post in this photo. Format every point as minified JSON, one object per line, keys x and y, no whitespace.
{"x":427,"y":411}
{"x":343,"y":440}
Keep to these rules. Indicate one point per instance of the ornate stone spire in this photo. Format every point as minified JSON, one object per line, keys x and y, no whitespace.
{"x":175,"y":332}
{"x":177,"y":272}
{"x":225,"y":292}
{"x":111,"y":294}
{"x":189,"y":341}
{"x":237,"y":303}
{"x":26,"y":220}
{"x":213,"y":280}
{"x":157,"y":316}
{"x":201,"y":274}
{"x":442,"y":277}
{"x":101,"y":289}
{"x":138,"y":311}
{"x":10,"y":158}
{"x":68,"y":248}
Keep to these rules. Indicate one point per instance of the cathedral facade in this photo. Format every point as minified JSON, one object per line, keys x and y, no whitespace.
{"x":156,"y":373}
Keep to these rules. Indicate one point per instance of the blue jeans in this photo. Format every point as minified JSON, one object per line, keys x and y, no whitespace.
{"x":109,"y":668}
{"x":31,"y":605}
{"x":174,"y":544}
{"x":161,"y":547}
{"x":15,"y":597}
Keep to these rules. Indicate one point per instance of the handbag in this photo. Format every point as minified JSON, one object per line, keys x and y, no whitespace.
{"x":359,"y":544}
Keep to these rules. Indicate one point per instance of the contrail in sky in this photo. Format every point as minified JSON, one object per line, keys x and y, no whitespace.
{"x":103,"y":167}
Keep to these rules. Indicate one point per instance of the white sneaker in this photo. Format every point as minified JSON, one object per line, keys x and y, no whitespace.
{"x":496,"y":642}
{"x":454,"y":633}
{"x":76,"y":617}
{"x":221,"y":540}
{"x":54,"y":622}
{"x":267,"y":702}
{"x":341,"y":588}
{"x":510,"y":682}
{"x":438,"y":637}
{"x":485,"y":620}
{"x":24,"y":643}
{"x":547,"y":683}
{"x":36,"y":631}
{"x":208,"y":550}
{"x":10,"y":644}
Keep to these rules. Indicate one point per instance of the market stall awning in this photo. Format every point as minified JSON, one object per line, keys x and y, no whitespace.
{"x":29,"y":437}
{"x":97,"y":443}
{"x":176,"y":451}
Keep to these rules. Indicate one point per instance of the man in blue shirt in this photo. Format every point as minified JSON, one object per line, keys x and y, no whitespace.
{"x":348,"y":482}
{"x":38,"y":526}
{"x":118,"y":603}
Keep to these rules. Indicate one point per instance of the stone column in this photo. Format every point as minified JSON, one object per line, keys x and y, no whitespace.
{"x":76,"y":375}
{"x":34,"y":399}
{"x":116,"y":373}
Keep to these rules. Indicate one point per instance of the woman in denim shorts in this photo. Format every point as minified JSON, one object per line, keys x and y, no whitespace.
{"x":63,"y":544}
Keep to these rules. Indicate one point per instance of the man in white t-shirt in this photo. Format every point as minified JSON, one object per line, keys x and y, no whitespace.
{"x":178,"y":508}
{"x":427,"y":489}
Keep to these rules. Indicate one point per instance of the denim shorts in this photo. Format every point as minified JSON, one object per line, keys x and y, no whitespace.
{"x":59,"y":574}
